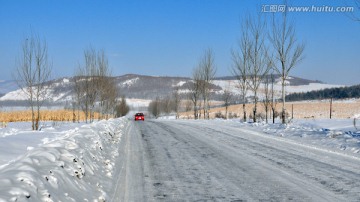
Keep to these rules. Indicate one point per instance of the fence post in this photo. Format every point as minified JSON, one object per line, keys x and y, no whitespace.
{"x":330,"y":108}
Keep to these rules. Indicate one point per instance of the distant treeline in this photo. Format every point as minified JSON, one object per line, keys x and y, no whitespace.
{"x":336,"y":93}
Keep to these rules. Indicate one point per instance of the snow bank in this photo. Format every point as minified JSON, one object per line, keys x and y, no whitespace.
{"x":76,"y":167}
{"x":335,"y":135}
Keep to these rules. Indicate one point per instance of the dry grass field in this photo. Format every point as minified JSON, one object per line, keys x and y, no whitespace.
{"x":46,"y":115}
{"x":315,"y":109}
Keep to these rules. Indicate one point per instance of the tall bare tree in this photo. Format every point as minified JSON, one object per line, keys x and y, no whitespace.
{"x":273,"y":97}
{"x":166,"y":105}
{"x":32,"y":73}
{"x":94,"y":84}
{"x":288,"y":51}
{"x":176,"y":101}
{"x":108,"y":96}
{"x":195,"y":91}
{"x":227,"y":96}
{"x":78,"y":94}
{"x":188,"y":105}
{"x":241,"y":62}
{"x":154,"y":107}
{"x":260,"y":62}
{"x":108,"y":91}
{"x":122,"y":108}
{"x":267,"y":95}
{"x":207,"y":71}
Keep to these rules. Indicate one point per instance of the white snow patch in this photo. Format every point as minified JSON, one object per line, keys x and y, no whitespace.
{"x":130,"y":81}
{"x":180,"y":83}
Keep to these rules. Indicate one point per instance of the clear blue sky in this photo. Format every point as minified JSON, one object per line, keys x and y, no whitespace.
{"x":167,"y":37}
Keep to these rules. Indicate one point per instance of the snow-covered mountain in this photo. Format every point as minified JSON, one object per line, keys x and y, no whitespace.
{"x":141,"y":87}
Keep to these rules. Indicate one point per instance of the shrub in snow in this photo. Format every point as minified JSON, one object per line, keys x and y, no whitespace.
{"x":219,"y":115}
{"x":232,"y":115}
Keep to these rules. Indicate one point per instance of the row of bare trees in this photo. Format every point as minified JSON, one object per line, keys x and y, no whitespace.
{"x":166,"y":105}
{"x":95,"y":88}
{"x":202,"y":77}
{"x":253,"y":61}
{"x":263,"y":48}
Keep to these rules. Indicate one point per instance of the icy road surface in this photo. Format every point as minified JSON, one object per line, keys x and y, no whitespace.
{"x":203,"y":161}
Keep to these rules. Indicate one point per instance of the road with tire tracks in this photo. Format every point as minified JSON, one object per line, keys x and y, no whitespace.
{"x":169,"y":160}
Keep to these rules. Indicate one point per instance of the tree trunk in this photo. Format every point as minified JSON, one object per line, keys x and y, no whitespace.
{"x":266,"y":113}
{"x":273,"y":114}
{"x":255,"y":108}
{"x":283,"y":99}
{"x":226,"y":111}
{"x":38,"y":117}
{"x":244,"y":110}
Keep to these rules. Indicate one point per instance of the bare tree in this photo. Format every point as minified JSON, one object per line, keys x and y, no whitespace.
{"x":176,"y":101}
{"x":272,"y":97}
{"x":122,"y":108}
{"x":227,"y":96}
{"x":78,"y":94}
{"x":108,"y":96}
{"x":154,"y":107}
{"x":267,"y":96}
{"x":166,"y":105}
{"x":195,"y":90}
{"x":88,"y":84}
{"x":108,"y":91}
{"x":241,"y":61}
{"x":188,"y":105}
{"x":207,"y":73}
{"x":260,"y":62}
{"x":32,"y":73}
{"x":287,"y":50}
{"x":93,"y":83}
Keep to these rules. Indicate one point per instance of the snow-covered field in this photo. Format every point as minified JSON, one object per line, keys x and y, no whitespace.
{"x":80,"y":162}
{"x":232,"y":86}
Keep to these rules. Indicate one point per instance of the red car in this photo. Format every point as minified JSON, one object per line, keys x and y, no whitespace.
{"x":139,"y":117}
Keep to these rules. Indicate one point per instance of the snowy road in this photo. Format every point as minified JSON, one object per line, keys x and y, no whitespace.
{"x":202,"y":161}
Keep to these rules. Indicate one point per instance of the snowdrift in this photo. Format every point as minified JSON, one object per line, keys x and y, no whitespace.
{"x":76,"y":167}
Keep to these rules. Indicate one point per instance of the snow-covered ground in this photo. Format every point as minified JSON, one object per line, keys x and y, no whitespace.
{"x":335,"y":135}
{"x":79,"y":162}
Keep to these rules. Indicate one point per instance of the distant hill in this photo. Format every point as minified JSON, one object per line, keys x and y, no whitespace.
{"x":336,"y":93}
{"x":293,"y":81}
{"x":144,"y":87}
